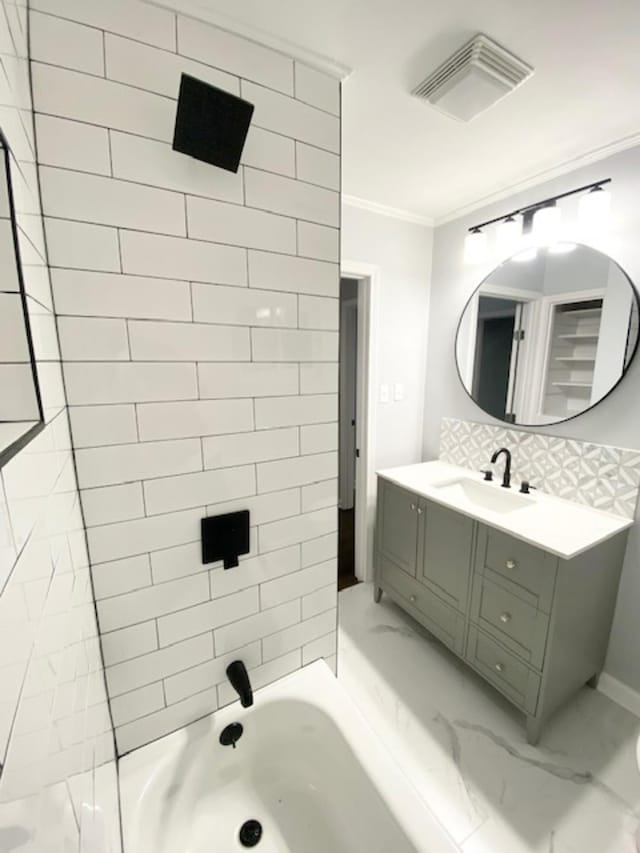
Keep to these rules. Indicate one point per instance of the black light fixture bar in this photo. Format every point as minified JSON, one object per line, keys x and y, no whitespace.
{"x":538,"y":204}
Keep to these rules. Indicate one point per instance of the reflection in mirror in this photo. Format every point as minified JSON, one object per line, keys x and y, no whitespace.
{"x":547,"y":335}
{"x":20,"y":406}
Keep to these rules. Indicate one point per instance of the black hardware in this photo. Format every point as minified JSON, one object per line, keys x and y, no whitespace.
{"x":231,"y":734}
{"x":506,"y":479}
{"x":488,"y":475}
{"x":250,"y":833}
{"x":239,"y":678}
{"x":224,"y":537}
{"x":525,"y":487}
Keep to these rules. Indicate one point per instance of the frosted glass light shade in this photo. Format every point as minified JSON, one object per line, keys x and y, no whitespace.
{"x":475,"y":247}
{"x":594,"y":209}
{"x":546,"y":224}
{"x":508,"y":234}
{"x":562,"y":248}
{"x":525,"y":255}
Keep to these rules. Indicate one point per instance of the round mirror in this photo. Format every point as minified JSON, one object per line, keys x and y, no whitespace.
{"x":548,"y":334}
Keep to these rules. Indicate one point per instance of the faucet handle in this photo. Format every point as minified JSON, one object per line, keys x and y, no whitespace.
{"x":488,"y":475}
{"x":525,"y":486}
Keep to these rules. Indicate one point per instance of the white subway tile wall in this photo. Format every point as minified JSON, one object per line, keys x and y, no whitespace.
{"x":198,"y":317}
{"x":57,"y":751}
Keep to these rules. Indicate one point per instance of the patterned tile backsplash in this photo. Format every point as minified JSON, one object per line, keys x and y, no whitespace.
{"x":601,"y":476}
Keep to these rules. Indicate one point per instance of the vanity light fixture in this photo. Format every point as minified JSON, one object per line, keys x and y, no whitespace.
{"x":542,"y":220}
{"x":525,"y":255}
{"x":562,"y":248}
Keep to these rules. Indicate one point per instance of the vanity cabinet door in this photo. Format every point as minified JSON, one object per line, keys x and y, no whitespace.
{"x":397,"y":525}
{"x":445,"y":553}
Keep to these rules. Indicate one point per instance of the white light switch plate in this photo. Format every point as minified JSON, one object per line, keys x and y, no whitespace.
{"x":384,"y":393}
{"x":398,"y":391}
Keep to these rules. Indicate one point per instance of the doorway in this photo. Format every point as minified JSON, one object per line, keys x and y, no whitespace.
{"x":348,"y":417}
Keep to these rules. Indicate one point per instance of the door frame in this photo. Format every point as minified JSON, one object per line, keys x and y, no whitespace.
{"x":368,"y":278}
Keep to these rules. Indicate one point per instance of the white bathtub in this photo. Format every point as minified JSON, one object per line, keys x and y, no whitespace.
{"x":307,"y":767}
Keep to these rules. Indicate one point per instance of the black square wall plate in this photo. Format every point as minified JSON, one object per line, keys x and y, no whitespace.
{"x":225,"y":537}
{"x":211,"y":124}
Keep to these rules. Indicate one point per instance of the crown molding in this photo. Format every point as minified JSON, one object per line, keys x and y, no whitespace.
{"x":537,"y":178}
{"x":202,"y":12}
{"x":385,"y":210}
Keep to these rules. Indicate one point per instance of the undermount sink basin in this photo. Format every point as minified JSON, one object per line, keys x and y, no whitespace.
{"x":492,"y":498}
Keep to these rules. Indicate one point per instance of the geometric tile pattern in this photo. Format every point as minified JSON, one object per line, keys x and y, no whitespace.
{"x":598,"y":475}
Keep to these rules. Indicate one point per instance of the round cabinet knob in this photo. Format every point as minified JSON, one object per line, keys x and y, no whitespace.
{"x":413,"y":507}
{"x":419,"y":510}
{"x":511,"y":564}
{"x":505,"y":617}
{"x":499,"y":667}
{"x":412,"y":599}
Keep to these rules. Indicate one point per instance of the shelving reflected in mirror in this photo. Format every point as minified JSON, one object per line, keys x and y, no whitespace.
{"x":548,"y":335}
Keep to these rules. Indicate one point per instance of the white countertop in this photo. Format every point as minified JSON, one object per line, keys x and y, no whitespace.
{"x":561,"y":527}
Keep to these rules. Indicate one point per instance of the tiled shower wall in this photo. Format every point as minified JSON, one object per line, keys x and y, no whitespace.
{"x":198,"y":321}
{"x":58,"y":779}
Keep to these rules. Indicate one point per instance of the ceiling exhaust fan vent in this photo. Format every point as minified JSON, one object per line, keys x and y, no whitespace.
{"x":473,"y":79}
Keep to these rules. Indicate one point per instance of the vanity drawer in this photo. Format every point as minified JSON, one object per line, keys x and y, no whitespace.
{"x":530,"y":571}
{"x":440,"y":619}
{"x":510,"y":619}
{"x":503,"y":669}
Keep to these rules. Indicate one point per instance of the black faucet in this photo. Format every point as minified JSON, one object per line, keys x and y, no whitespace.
{"x":506,"y":479}
{"x":239,"y":678}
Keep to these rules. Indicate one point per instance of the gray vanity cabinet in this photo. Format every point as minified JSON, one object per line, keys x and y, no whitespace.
{"x":533,"y":625}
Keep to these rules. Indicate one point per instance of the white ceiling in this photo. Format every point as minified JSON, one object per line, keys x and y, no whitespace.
{"x":401,"y":153}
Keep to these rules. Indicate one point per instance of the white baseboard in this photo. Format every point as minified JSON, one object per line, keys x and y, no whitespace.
{"x":620,"y":693}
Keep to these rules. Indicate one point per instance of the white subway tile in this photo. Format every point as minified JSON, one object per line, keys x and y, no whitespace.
{"x":72,"y":145}
{"x":279,"y":534}
{"x":191,"y":490}
{"x":188,"y":342}
{"x":318,"y":89}
{"x":285,"y":473}
{"x":294,"y":345}
{"x":93,"y":339}
{"x":208,"y":615}
{"x":226,"y":450}
{"x":98,"y":466}
{"x":218,"y":222}
{"x":318,"y":241}
{"x":18,"y":400}
{"x":151,"y":602}
{"x":137,"y":703}
{"x":147,"y":161}
{"x":235,"y":54}
{"x":247,"y":380}
{"x":319,"y":167}
{"x":120,"y":576}
{"x":105,"y":201}
{"x":112,"y":503}
{"x":319,"y":549}
{"x":318,"y":438}
{"x":296,"y":275}
{"x":297,"y":584}
{"x":319,"y":378}
{"x":254,"y":570}
{"x":81,"y":246}
{"x":277,"y":112}
{"x":139,"y":21}
{"x":103,"y":295}
{"x":128,"y":643}
{"x":13,"y":339}
{"x":170,"y":257}
{"x":158,"y":71}
{"x":289,"y":197}
{"x":95,"y":426}
{"x":323,"y":647}
{"x":156,"y":725}
{"x":270,"y":151}
{"x":198,"y":418}
{"x":208,"y":674}
{"x":8,"y":268}
{"x":134,"y":673}
{"x":263,"y":508}
{"x":319,"y":495}
{"x":298,"y":635}
{"x":318,"y":312}
{"x":108,"y":382}
{"x":95,"y":100}
{"x":292,"y":411}
{"x":245,"y":631}
{"x":320,"y":600}
{"x":59,"y":42}
{"x":262,"y":675}
{"x":173,"y":563}
{"x":244,"y":306}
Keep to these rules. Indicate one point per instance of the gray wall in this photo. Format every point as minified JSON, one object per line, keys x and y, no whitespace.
{"x":616,"y":421}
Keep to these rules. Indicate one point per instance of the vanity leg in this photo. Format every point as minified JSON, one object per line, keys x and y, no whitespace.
{"x":593,"y":681}
{"x":534,"y":730}
{"x":377,"y":594}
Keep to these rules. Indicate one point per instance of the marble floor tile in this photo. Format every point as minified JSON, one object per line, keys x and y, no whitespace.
{"x":464,"y":749}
